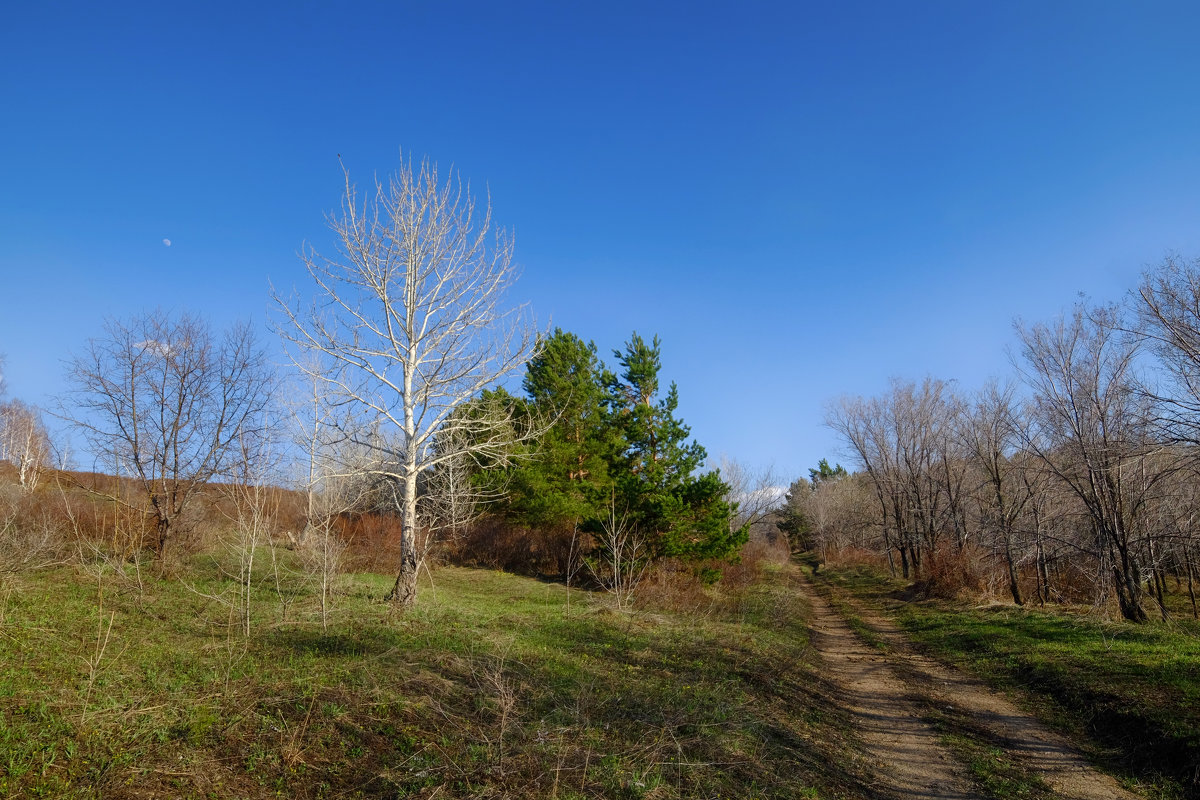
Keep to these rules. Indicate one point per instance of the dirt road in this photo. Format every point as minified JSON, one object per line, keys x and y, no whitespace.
{"x":889,"y":694}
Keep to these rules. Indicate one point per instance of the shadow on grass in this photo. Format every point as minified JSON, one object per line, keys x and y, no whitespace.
{"x":342,"y":644}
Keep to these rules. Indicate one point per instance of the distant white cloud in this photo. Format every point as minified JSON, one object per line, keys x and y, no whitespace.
{"x":767,"y":496}
{"x":159,"y":348}
{"x":167,"y":242}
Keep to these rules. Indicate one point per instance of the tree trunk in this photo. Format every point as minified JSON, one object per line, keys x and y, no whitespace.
{"x":1129,"y":593}
{"x":1013,"y":585}
{"x":162,"y":533}
{"x":1160,"y":591}
{"x":1187,"y":557}
{"x":1158,"y":578}
{"x":404,"y":591}
{"x":1039,"y":563}
{"x":887,"y":546}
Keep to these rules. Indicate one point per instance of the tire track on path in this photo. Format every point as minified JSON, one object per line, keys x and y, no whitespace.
{"x":893,"y":678}
{"x":905,"y":752}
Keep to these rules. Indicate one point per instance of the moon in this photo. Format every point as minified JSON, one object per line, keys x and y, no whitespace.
{"x":167,"y":242}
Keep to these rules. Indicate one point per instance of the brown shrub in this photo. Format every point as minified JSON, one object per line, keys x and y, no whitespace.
{"x":558,"y":551}
{"x":851,"y":556}
{"x":373,"y":540}
{"x":28,"y":539}
{"x":756,"y":555}
{"x":1074,"y":580}
{"x":88,"y":521}
{"x":671,"y":586}
{"x":493,"y":543}
{"x":947,"y":573}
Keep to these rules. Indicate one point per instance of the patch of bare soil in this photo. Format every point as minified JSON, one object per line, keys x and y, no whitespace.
{"x":887,"y":689}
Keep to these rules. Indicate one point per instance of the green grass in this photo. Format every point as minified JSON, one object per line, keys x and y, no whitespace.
{"x":487,"y":689}
{"x":1130,"y":692}
{"x":996,"y":774}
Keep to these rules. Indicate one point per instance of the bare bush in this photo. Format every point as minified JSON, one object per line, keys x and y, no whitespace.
{"x":621,"y":557}
{"x":948,"y":573}
{"x":26,"y":542}
{"x":1089,"y":431}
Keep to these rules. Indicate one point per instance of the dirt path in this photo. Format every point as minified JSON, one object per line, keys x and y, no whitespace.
{"x":885,"y":692}
{"x":904,"y":750}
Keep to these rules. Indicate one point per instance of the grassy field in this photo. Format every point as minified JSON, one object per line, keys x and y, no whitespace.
{"x":1131,"y":692}
{"x":489,"y":688}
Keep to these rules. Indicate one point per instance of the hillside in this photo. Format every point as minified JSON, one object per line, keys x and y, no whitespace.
{"x":494,"y":686}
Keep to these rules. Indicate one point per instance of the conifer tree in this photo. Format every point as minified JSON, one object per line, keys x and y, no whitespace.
{"x":567,"y":480}
{"x":685,"y":515}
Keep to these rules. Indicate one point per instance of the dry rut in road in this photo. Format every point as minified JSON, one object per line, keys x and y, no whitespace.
{"x":903,"y":749}
{"x":880,"y":692}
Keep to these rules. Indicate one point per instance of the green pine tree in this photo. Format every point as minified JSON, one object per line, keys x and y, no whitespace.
{"x":565,"y":482}
{"x":824,"y":472}
{"x":683,"y":514}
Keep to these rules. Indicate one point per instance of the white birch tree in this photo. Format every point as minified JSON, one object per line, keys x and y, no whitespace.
{"x":409,"y":321}
{"x":24,"y":441}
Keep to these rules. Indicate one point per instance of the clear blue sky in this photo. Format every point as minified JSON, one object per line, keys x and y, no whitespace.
{"x":800,"y":199}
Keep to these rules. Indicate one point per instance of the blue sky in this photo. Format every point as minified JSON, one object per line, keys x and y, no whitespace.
{"x":801,"y":199}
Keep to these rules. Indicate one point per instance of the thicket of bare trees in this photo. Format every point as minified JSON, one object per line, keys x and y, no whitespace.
{"x":1080,"y":482}
{"x":24,"y":441}
{"x":905,"y":441}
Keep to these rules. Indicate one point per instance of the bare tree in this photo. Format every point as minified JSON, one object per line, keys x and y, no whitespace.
{"x":1168,"y":307}
{"x":903,"y":441}
{"x":410,"y":321}
{"x":322,"y":549}
{"x":24,"y":441}
{"x":621,"y":557}
{"x":757,"y":493}
{"x":336,"y":482}
{"x":992,"y":432}
{"x":255,"y":506}
{"x":163,"y":403}
{"x":1090,"y":432}
{"x":863,"y":426}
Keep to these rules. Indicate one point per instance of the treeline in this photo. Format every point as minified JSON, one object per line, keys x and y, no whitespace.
{"x":595,"y":468}
{"x":1078,"y":481}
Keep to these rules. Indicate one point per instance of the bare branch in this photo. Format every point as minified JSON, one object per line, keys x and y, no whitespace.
{"x":409,"y":322}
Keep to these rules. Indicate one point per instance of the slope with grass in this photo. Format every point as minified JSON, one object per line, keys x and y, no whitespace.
{"x":490,"y":688}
